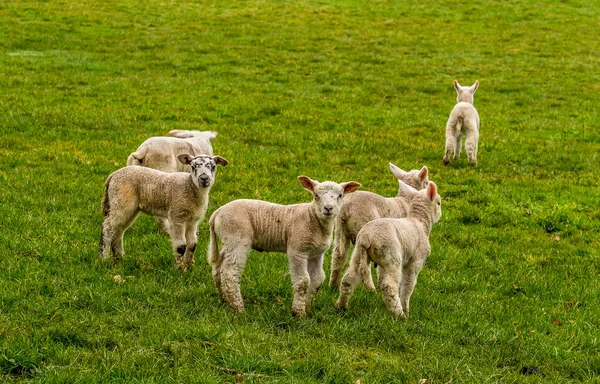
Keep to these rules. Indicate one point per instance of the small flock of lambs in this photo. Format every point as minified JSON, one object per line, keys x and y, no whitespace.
{"x":170,"y":178}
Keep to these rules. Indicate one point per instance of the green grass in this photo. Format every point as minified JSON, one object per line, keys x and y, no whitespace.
{"x":333,"y":90}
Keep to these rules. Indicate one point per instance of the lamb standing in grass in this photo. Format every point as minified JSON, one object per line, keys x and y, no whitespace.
{"x":362,"y":207}
{"x":161,"y":152}
{"x":463,"y":120}
{"x":399,"y":247}
{"x":181,"y":197}
{"x":303,"y":231}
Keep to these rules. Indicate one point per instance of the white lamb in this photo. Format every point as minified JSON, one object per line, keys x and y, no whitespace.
{"x":303,"y":231}
{"x":362,"y":207}
{"x":399,"y":247}
{"x":463,"y":120}
{"x":181,"y":197}
{"x":161,"y":152}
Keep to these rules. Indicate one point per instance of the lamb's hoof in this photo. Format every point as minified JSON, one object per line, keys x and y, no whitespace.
{"x":446,"y":161}
{"x":370,"y":288}
{"x":399,"y":315}
{"x":334,"y":285}
{"x":299,"y":312}
{"x":341,"y":308}
{"x":237,"y":308}
{"x":473,"y":163}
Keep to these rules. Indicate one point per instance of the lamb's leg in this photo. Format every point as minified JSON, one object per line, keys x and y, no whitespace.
{"x":317,"y":276}
{"x":450,"y":142}
{"x":339,"y":255}
{"x":117,"y":244}
{"x":409,"y":280}
{"x":113,"y":227}
{"x":163,"y":224}
{"x":232,"y":264}
{"x":300,"y":282}
{"x":390,"y":279}
{"x":191,"y":239}
{"x":178,"y":243}
{"x":471,"y":146}
{"x":457,"y":146}
{"x":349,"y":283}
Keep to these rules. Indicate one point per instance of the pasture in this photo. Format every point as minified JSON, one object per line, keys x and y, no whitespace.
{"x":329,"y":89}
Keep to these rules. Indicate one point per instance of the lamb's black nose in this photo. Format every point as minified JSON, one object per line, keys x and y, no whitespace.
{"x":328,"y":209}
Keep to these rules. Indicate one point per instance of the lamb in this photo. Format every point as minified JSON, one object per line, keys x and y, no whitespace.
{"x":463,"y":120}
{"x":362,"y":207}
{"x":303,"y":231}
{"x":399,"y":247}
{"x":181,"y":197}
{"x":161,"y":152}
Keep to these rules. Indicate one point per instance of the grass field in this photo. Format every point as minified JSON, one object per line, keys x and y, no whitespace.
{"x":333,"y":90}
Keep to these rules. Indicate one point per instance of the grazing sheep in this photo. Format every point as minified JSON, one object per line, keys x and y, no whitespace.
{"x":303,"y":231}
{"x":161,"y":152}
{"x":362,"y":207}
{"x":463,"y":120}
{"x":181,"y":197}
{"x":399,"y":247}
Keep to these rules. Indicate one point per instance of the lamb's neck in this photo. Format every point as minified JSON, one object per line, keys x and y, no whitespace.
{"x":420,"y":212}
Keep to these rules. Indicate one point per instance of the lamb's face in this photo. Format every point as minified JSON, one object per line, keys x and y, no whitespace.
{"x":328,"y":199}
{"x":203,"y":170}
{"x":436,"y":208}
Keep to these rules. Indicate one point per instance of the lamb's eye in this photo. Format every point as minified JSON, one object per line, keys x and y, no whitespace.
{"x":339,"y":196}
{"x":317,"y":197}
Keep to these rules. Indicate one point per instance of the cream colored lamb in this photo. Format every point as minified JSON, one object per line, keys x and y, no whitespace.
{"x":303,"y":231}
{"x":362,"y":207}
{"x":399,"y":247}
{"x":161,"y":152}
{"x":463,"y":121}
{"x":181,"y":197}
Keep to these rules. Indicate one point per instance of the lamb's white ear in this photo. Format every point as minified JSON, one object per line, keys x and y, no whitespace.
{"x":406,"y":189}
{"x":457,"y":86}
{"x":308,"y":183}
{"x":423,"y":173}
{"x":474,"y":86}
{"x":350,"y":186}
{"x":185,"y":158}
{"x":220,"y":160}
{"x":397,"y":171}
{"x":431,"y":190}
{"x":180,"y":133}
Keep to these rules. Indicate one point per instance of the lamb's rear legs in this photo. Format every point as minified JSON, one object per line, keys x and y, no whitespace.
{"x":231,"y":267}
{"x":339,"y":256}
{"x":317,"y":276}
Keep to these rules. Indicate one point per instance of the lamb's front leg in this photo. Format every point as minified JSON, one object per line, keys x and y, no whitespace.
{"x":317,"y":276}
{"x":177,"y":231}
{"x":191,"y":239}
{"x":407,"y":286}
{"x":300,"y":282}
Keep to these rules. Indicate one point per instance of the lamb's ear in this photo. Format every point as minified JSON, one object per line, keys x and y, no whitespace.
{"x":180,"y":133}
{"x":350,"y":186}
{"x":406,"y":189}
{"x":308,"y":183}
{"x":431,"y":190}
{"x":397,"y":171}
{"x":457,"y":86}
{"x":474,"y":86}
{"x":185,"y":158}
{"x":220,"y":160}
{"x":423,"y":173}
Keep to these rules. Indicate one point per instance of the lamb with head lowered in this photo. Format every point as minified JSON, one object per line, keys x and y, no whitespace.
{"x":303,"y":231}
{"x":181,"y":197}
{"x":399,"y":247}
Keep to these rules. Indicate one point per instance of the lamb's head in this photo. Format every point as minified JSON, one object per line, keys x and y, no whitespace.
{"x":428,"y":198}
{"x":465,"y":93}
{"x":417,"y":179}
{"x":204,"y":168}
{"x":327,"y":196}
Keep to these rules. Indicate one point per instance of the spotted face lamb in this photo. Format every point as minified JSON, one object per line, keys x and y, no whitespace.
{"x":362,"y":207}
{"x":463,"y":121}
{"x":399,"y":247}
{"x":303,"y":231}
{"x":181,"y":197}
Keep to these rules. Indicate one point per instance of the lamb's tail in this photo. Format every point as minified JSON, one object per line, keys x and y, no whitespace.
{"x":105,"y":199}
{"x":136,"y":158}
{"x":214,"y":255}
